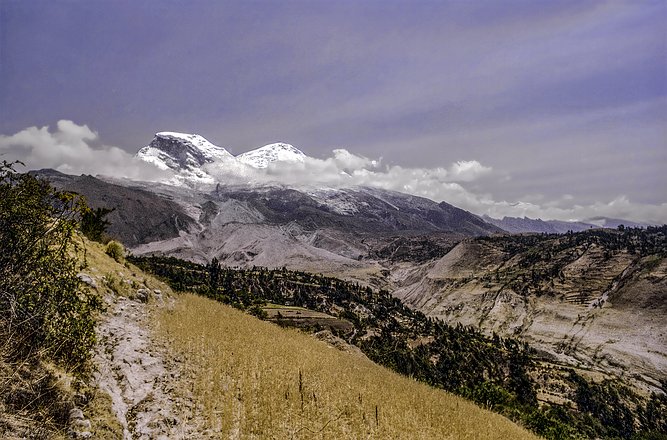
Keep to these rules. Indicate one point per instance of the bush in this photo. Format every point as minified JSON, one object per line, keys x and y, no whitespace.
{"x":258,"y":311}
{"x":44,"y":307}
{"x":116,"y":251}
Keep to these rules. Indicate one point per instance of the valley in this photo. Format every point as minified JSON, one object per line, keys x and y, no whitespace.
{"x":594,"y":300}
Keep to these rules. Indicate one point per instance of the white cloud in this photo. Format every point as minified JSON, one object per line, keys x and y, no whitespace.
{"x":467,"y":170}
{"x":451,"y":184}
{"x":344,"y":168}
{"x":68,"y":149}
{"x":348,"y":161}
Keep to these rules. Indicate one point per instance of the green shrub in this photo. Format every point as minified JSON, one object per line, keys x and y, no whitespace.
{"x":116,"y":251}
{"x":44,"y":307}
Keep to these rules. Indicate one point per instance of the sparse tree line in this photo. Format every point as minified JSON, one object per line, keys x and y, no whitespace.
{"x":492,"y":371}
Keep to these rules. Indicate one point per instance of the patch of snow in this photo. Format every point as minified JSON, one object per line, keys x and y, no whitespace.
{"x":279,"y":152}
{"x":198,"y":142}
{"x":336,"y":200}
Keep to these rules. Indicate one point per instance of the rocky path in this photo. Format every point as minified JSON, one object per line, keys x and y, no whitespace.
{"x":139,"y":373}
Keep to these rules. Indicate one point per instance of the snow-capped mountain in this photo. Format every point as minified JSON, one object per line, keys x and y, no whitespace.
{"x":194,"y":160}
{"x":278,"y":152}
{"x":184,"y":154}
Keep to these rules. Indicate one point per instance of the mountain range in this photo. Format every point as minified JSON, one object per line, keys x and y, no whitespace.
{"x":194,"y":161}
{"x":518,"y":224}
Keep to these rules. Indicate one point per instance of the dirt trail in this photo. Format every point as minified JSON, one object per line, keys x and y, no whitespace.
{"x":140,"y":375}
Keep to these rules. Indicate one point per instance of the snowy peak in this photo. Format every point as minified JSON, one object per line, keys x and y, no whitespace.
{"x":179,"y":150}
{"x":185,"y":154}
{"x":195,"y":161}
{"x":279,"y":152}
{"x":195,"y":141}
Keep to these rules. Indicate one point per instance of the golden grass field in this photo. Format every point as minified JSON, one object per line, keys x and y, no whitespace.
{"x":254,"y":379}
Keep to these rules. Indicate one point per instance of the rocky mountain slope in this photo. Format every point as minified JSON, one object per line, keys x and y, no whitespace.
{"x":330,"y":230}
{"x":594,"y":299}
{"x":318,"y":230}
{"x":139,"y":216}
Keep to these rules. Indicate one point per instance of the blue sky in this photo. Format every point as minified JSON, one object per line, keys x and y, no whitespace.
{"x":565,"y":101}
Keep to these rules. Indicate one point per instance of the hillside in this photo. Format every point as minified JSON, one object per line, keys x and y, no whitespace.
{"x":138,"y":216}
{"x":184,"y":367}
{"x":593,"y":299}
{"x":255,"y":379}
{"x":502,"y":374}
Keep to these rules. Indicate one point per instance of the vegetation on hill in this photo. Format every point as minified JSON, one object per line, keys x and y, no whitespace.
{"x":44,"y":306}
{"x":455,"y":358}
{"x":494,"y":372}
{"x":413,"y":248}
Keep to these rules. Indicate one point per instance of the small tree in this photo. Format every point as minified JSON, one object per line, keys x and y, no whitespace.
{"x":94,"y":225}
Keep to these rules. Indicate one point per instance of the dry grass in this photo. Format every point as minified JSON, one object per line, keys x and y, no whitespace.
{"x":253,"y":379}
{"x":35,"y":399}
{"x":36,"y":396}
{"x":120,"y":278}
{"x":104,"y":424}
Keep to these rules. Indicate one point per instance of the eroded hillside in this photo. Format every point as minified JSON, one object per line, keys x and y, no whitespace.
{"x":595,"y":299}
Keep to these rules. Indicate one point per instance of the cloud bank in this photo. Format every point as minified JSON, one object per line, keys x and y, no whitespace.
{"x":73,"y":149}
{"x":76,"y":149}
{"x":454,"y":184}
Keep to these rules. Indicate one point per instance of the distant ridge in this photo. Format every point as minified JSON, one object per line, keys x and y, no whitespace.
{"x":517,"y":225}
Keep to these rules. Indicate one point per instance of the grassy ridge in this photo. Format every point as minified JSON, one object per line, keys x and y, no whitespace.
{"x":255,"y":379}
